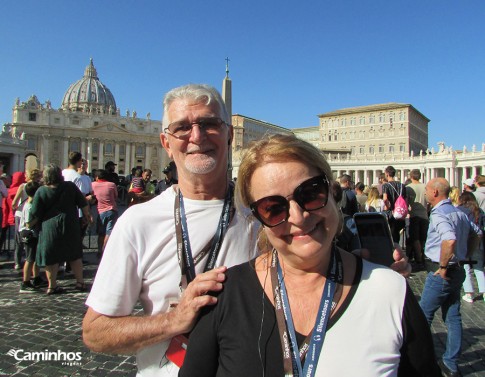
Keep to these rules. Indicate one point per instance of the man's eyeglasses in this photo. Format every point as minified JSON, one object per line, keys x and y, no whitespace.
{"x":183,"y":129}
{"x":310,"y":195}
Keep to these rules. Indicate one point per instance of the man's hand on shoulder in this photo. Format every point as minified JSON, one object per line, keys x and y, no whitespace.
{"x":195,"y":297}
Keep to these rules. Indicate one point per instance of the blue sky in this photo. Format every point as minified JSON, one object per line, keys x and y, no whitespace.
{"x":289,"y":60}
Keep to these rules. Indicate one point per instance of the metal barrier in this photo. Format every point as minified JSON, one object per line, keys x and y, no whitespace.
{"x":7,"y":239}
{"x":90,"y":240}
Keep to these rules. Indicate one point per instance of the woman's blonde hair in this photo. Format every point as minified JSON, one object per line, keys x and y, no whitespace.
{"x":373,"y":195}
{"x":455,"y":196}
{"x":276,"y":148}
{"x":34,"y":175}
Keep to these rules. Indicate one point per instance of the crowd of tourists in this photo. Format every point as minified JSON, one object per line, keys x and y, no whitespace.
{"x":49,"y":226}
{"x":441,"y":229}
{"x":411,"y":231}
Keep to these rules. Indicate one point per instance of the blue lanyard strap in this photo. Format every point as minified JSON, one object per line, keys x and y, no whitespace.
{"x":312,"y":346}
{"x":187,"y":261}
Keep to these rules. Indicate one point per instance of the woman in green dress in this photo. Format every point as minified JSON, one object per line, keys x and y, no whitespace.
{"x":55,"y":207}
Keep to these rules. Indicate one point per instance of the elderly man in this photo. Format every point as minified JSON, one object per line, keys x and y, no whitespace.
{"x":446,"y":247}
{"x":141,"y":261}
{"x":164,"y":252}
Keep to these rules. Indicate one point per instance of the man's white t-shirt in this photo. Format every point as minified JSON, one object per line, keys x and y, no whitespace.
{"x":72,"y":176}
{"x":140,"y":262}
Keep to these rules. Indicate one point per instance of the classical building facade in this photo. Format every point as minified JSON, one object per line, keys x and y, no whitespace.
{"x":379,"y":140}
{"x":384,"y":129}
{"x":12,"y":149}
{"x":455,"y":166}
{"x":90,"y":122}
{"x":247,"y":129}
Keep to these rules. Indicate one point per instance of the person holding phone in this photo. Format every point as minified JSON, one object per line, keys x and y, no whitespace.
{"x":303,"y":307}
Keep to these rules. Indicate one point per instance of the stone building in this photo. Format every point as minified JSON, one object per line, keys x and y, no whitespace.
{"x":12,"y":149}
{"x":384,"y":129}
{"x":368,"y":139}
{"x":247,"y":129}
{"x":89,"y":121}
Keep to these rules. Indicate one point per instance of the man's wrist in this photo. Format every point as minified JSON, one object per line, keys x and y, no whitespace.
{"x":443,"y":267}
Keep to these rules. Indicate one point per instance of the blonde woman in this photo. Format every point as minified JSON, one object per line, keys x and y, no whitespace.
{"x":374,"y":203}
{"x":303,"y":293}
{"x":455,"y":196}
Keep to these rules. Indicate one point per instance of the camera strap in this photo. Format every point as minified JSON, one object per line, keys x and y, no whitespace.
{"x":312,"y":345}
{"x":186,"y":259}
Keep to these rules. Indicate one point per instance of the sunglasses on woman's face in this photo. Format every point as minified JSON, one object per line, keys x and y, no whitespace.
{"x":310,"y":195}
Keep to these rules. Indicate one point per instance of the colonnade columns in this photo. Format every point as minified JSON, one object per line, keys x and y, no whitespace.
{"x":117,"y":154}
{"x":65,"y":154}
{"x":44,"y":153}
{"x":476,"y":171}
{"x":101,"y":155}
{"x":455,"y":177}
{"x":83,"y":149}
{"x":133,"y":155}
{"x":16,"y":163}
{"x":403,"y":175}
{"x":367,"y":181}
{"x":376,"y":176}
{"x":463,"y":175}
{"x":359,"y":176}
{"x":148,"y":156}
{"x":128,"y":160}
{"x":447,"y":175}
{"x":89,"y":153}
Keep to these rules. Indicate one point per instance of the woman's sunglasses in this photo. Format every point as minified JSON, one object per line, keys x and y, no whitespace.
{"x":310,"y":195}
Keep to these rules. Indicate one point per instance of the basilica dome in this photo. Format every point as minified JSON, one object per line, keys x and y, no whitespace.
{"x":89,"y":94}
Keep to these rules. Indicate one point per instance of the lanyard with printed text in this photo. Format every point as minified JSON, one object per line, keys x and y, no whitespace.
{"x":186,"y":259}
{"x":312,"y":346}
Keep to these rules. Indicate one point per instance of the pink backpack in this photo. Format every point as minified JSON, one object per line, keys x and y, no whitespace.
{"x":400,"y":210}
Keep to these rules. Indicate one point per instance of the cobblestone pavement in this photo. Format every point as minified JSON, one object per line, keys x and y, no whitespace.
{"x":40,"y":323}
